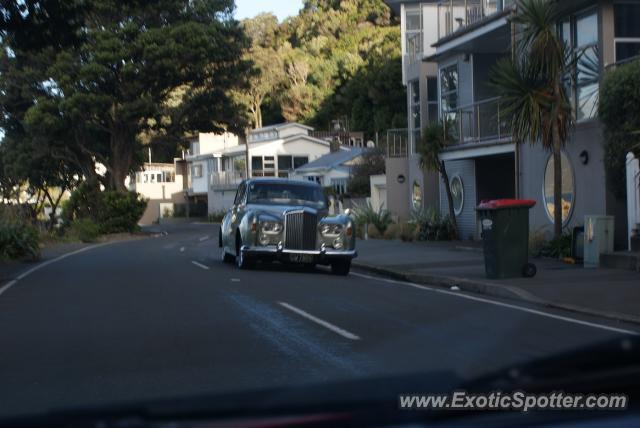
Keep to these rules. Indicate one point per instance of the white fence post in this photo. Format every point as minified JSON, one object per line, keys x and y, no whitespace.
{"x":633,"y":194}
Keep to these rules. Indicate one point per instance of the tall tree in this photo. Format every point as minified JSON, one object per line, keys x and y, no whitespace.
{"x":161,"y":68}
{"x":268,"y":73}
{"x":435,"y":138}
{"x":532,"y":90}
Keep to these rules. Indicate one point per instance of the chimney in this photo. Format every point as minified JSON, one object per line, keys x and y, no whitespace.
{"x":334,"y":145}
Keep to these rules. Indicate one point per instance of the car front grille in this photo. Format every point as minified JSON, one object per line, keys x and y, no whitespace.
{"x":300,"y":230}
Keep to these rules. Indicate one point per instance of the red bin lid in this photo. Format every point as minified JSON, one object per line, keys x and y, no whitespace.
{"x":506,"y":203}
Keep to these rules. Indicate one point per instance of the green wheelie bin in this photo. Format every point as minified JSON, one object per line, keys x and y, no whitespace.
{"x":505,"y":235}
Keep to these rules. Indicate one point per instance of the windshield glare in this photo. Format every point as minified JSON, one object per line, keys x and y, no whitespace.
{"x":286,"y":193}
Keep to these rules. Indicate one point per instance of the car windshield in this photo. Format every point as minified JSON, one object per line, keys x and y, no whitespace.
{"x":286,"y":193}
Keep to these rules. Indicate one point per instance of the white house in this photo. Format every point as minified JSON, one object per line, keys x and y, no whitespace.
{"x":203,"y":160}
{"x":273,"y":151}
{"x":163,"y":185}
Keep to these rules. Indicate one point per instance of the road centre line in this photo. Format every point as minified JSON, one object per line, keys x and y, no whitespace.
{"x":204,"y":238}
{"x":200,"y":265}
{"x":505,"y":305}
{"x":344,"y":333}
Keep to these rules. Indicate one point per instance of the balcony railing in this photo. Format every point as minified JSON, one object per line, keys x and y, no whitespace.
{"x":226,"y":179}
{"x":480,"y":121}
{"x":455,"y":15}
{"x":397,"y":143}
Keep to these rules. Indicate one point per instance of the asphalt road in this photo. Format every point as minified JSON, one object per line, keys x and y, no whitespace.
{"x":163,"y":317}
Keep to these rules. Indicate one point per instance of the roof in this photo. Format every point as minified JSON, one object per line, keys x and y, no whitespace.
{"x":291,"y":138}
{"x":332,"y":160}
{"x":279,"y":126}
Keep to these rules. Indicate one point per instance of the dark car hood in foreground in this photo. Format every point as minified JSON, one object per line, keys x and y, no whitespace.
{"x":613,"y":366}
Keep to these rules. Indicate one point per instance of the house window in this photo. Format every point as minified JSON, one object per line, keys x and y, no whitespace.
{"x":269,"y":167}
{"x":580,"y":33}
{"x":298,"y":161}
{"x":627,"y":31}
{"x":196,"y":171}
{"x":315,"y":179}
{"x":416,"y":195}
{"x":457,"y":194}
{"x":449,"y":92}
{"x":413,"y":30}
{"x":432,"y":99}
{"x":414,"y":99}
{"x":339,"y":185}
{"x":568,"y":189}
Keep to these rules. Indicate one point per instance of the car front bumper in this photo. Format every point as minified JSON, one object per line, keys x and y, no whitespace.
{"x":279,"y":253}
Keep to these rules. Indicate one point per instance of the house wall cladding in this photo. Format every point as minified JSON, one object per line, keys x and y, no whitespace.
{"x":465,"y":169}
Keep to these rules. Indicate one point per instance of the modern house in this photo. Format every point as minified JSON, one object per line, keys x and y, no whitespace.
{"x":450,"y":47}
{"x":163,"y":184}
{"x":204,"y":161}
{"x":331,"y":170}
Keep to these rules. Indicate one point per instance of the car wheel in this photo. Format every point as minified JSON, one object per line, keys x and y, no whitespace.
{"x":242,"y":261}
{"x":341,"y":267}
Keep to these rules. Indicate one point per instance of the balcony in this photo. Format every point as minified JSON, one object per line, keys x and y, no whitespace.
{"x":226,"y":179}
{"x":482,"y":121}
{"x":456,"y":15}
{"x":401,"y":142}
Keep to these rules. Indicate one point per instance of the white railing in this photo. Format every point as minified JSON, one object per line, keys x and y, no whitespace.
{"x":225,"y":179}
{"x":633,"y":195}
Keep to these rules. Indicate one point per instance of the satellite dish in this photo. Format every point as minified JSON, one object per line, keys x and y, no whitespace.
{"x":370,"y":144}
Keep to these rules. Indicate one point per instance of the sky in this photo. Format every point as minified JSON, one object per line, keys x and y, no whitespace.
{"x":281,"y":8}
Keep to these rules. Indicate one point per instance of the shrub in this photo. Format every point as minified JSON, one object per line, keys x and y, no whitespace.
{"x":381,"y":219}
{"x":537,"y":242}
{"x":120,"y":212}
{"x":85,"y":230}
{"x":557,"y":248}
{"x":620,"y":112}
{"x":408,"y":232}
{"x":112,"y":211}
{"x":373,"y":232}
{"x":392,"y":232}
{"x":18,"y":240}
{"x":430,"y":226}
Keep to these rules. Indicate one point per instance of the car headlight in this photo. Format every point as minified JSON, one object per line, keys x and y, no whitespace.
{"x":271,"y":227}
{"x":338,"y":243}
{"x":330,"y":229}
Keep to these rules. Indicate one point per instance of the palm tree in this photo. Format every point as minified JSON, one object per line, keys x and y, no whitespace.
{"x":531,"y":85}
{"x":435,"y":138}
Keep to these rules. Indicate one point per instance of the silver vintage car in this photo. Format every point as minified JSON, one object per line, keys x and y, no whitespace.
{"x":286,"y":220}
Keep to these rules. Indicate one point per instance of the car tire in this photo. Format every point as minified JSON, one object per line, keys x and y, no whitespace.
{"x":242,"y":261}
{"x":226,"y":257}
{"x":341,"y":267}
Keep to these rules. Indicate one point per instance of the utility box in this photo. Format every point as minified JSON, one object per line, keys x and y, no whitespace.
{"x":598,"y":238}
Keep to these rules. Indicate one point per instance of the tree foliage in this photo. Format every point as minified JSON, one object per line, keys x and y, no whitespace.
{"x":338,"y":59}
{"x":371,"y":163}
{"x":119,"y":71}
{"x":620,"y":113}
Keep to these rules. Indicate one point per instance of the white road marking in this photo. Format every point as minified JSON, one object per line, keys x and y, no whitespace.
{"x":504,"y":305}
{"x":182,"y":249}
{"x":325,"y":324}
{"x":7,"y":286}
{"x":235,"y":279}
{"x":24,"y":274}
{"x":200,"y":265}
{"x":204,"y":238}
